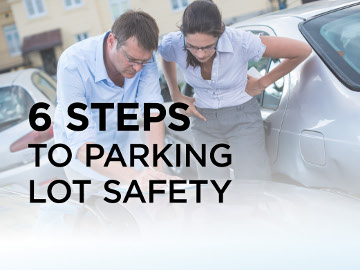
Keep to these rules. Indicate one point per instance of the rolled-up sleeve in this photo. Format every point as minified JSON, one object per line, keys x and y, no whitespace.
{"x":149,"y":90}
{"x":252,"y":47}
{"x":70,"y":89}
{"x":166,"y":48}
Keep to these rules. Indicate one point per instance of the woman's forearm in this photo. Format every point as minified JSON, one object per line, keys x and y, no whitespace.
{"x":292,"y":51}
{"x":286,"y":66}
{"x":169,"y":69}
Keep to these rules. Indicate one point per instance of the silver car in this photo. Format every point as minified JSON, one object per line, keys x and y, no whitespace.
{"x":312,"y":115}
{"x":18,"y":92}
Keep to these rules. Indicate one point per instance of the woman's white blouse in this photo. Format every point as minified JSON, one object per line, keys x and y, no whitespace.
{"x":228,"y":79}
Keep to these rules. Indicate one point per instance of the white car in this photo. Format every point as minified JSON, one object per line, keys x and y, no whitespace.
{"x":312,"y":115}
{"x":18,"y":92}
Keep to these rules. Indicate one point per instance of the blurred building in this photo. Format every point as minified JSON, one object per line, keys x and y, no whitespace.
{"x":47,"y":27}
{"x":35,"y":32}
{"x":10,"y":44}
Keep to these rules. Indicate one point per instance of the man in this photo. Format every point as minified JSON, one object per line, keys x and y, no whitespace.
{"x":116,"y":67}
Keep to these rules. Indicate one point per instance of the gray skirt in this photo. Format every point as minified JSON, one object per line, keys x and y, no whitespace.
{"x":242,"y":128}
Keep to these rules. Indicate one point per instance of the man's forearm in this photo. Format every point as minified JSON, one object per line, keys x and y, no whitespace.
{"x":113,"y":171}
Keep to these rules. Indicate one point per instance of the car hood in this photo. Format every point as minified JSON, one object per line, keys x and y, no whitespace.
{"x":269,"y":206}
{"x":260,"y":225}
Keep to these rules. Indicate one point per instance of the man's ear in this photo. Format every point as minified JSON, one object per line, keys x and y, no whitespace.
{"x":111,"y":41}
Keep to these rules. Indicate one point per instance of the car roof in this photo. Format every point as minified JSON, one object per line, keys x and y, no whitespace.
{"x":312,"y":9}
{"x":10,"y":77}
{"x":302,"y":12}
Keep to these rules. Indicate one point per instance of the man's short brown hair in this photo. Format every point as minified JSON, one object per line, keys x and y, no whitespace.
{"x":137,"y":24}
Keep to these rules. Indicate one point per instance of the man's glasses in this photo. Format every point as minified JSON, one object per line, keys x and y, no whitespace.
{"x":135,"y":62}
{"x":209,"y":48}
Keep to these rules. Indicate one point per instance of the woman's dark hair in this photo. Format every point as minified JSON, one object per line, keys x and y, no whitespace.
{"x":201,"y":16}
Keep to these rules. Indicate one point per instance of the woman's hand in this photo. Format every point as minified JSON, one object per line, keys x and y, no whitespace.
{"x":254,"y":86}
{"x":190,"y":101}
{"x":169,"y":69}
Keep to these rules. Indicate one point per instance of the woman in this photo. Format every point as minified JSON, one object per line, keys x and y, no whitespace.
{"x":214,"y":60}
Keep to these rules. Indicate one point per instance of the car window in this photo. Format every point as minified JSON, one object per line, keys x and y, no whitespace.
{"x":270,"y":98}
{"x":263,"y":64}
{"x":15,"y":104}
{"x":272,"y":94}
{"x":344,"y":36}
{"x":45,"y":84}
{"x":335,"y":36}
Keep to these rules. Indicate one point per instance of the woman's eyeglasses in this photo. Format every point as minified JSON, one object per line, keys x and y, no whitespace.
{"x":209,"y":48}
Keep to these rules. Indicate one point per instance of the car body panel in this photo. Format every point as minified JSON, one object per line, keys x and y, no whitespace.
{"x":319,"y":104}
{"x":334,"y":119}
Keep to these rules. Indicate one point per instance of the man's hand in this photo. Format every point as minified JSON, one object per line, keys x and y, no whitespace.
{"x":150,"y":174}
{"x":190,"y":101}
{"x":254,"y":86}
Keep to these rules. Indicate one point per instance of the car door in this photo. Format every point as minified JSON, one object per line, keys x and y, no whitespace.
{"x":273,"y":101}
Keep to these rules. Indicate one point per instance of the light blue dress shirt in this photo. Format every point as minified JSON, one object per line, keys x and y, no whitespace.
{"x":82,"y":77}
{"x":228,"y":79}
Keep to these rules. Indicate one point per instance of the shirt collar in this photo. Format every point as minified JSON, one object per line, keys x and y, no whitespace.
{"x":224,"y":44}
{"x":100,"y":70}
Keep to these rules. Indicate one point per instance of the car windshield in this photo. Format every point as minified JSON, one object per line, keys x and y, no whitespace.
{"x":15,"y":104}
{"x":335,"y":37}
